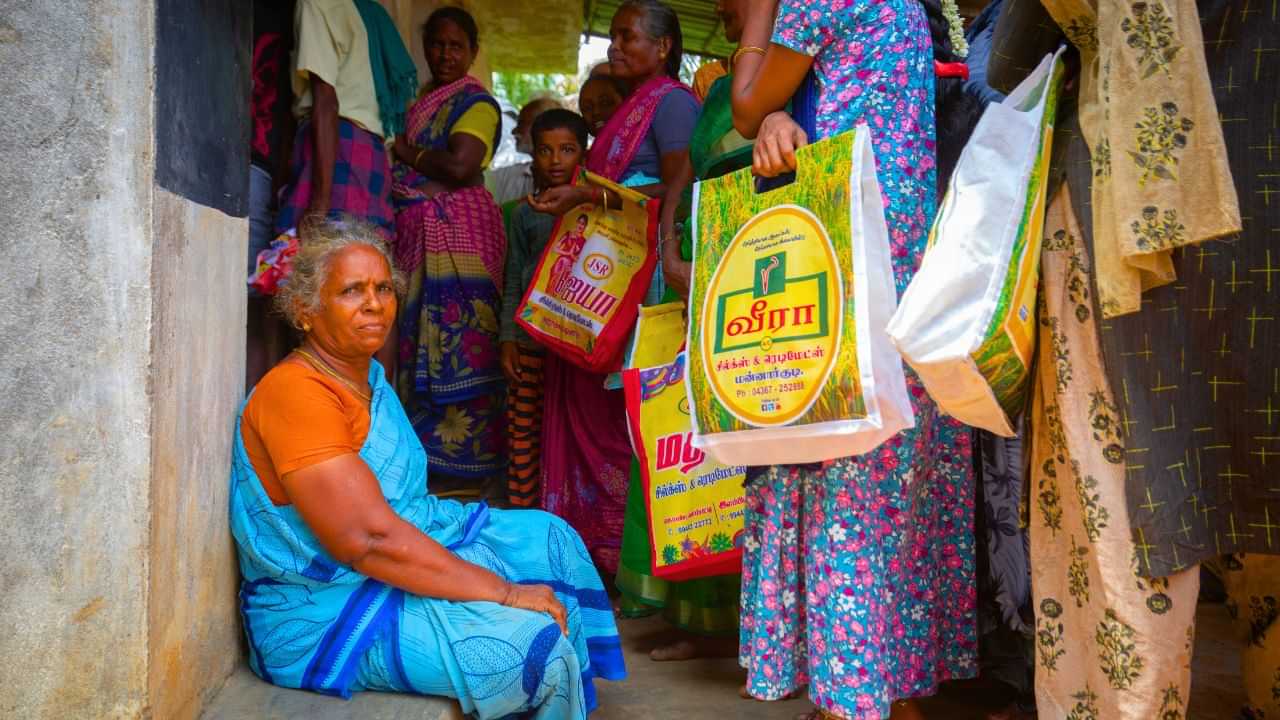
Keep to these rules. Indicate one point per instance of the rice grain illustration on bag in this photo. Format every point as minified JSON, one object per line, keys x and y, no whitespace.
{"x":967,"y":321}
{"x":695,"y":505}
{"x":792,"y":288}
{"x":591,"y":278}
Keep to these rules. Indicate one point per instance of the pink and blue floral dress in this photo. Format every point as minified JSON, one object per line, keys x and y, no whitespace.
{"x":858,"y":576}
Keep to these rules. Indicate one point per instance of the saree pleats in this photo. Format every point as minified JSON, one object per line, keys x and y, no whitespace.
{"x":452,"y":246}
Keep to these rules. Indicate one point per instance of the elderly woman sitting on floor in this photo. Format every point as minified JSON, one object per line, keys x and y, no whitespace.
{"x":354,"y":578}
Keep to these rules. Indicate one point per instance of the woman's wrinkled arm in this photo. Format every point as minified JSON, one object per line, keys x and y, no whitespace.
{"x":676,"y":271}
{"x":342,"y":503}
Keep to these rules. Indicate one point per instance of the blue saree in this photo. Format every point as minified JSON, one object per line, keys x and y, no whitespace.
{"x":315,"y":624}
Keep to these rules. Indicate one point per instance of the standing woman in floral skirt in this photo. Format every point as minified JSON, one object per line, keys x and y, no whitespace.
{"x":858,"y":575}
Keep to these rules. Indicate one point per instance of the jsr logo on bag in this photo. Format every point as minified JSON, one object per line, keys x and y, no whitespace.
{"x":772,"y":308}
{"x":591,"y":277}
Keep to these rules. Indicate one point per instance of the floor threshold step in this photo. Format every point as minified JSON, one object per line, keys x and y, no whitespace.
{"x":245,"y":697}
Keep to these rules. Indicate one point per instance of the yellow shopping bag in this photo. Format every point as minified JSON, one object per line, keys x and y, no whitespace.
{"x":695,"y":505}
{"x":792,"y":288}
{"x":591,"y":278}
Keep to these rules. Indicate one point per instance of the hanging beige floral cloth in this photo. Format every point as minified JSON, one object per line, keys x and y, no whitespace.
{"x":1109,"y":643}
{"x":1161,"y":179}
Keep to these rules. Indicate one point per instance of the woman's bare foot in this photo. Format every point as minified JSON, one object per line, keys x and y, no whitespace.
{"x":689,"y":648}
{"x":674,"y":652}
{"x":905,"y":710}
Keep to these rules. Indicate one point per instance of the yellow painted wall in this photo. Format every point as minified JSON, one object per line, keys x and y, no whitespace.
{"x":517,"y":36}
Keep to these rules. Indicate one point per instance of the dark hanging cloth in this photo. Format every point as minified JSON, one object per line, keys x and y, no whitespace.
{"x":956,"y":111}
{"x":1005,"y":635}
{"x":1197,"y":370}
{"x":1199,"y":366}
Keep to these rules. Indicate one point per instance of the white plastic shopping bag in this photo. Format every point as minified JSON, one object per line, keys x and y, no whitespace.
{"x":967,"y":322}
{"x":792,"y":288}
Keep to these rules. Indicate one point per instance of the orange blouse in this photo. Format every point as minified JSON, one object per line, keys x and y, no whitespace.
{"x":298,"y":417}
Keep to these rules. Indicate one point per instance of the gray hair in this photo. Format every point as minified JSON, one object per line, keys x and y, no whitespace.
{"x":541,"y":103}
{"x":661,"y":21}
{"x":535,"y":107}
{"x":301,"y":294}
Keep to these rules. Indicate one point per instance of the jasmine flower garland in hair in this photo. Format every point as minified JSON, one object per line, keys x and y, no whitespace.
{"x":955,"y":28}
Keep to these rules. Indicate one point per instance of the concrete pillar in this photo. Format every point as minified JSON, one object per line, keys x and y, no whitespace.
{"x":122,"y":332}
{"x":197,"y":380}
{"x":76,"y":331}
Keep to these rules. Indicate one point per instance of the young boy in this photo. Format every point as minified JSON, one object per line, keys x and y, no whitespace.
{"x":560,"y":143}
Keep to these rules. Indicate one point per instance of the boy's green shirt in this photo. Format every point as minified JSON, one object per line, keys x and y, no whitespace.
{"x":528,"y":232}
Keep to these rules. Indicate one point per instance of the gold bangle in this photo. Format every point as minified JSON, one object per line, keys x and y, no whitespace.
{"x":733,"y":59}
{"x":418,"y":158}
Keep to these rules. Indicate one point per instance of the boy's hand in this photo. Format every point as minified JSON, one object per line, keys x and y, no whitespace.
{"x":560,"y":199}
{"x":509,"y":357}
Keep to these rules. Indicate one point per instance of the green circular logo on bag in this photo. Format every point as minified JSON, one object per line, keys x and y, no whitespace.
{"x":771,"y":317}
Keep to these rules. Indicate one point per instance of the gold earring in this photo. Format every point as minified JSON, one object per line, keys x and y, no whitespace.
{"x":306,"y":327}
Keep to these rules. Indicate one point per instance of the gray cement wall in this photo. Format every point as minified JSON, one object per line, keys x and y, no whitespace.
{"x":198,"y":318}
{"x":122,"y":337}
{"x":75,"y":190}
